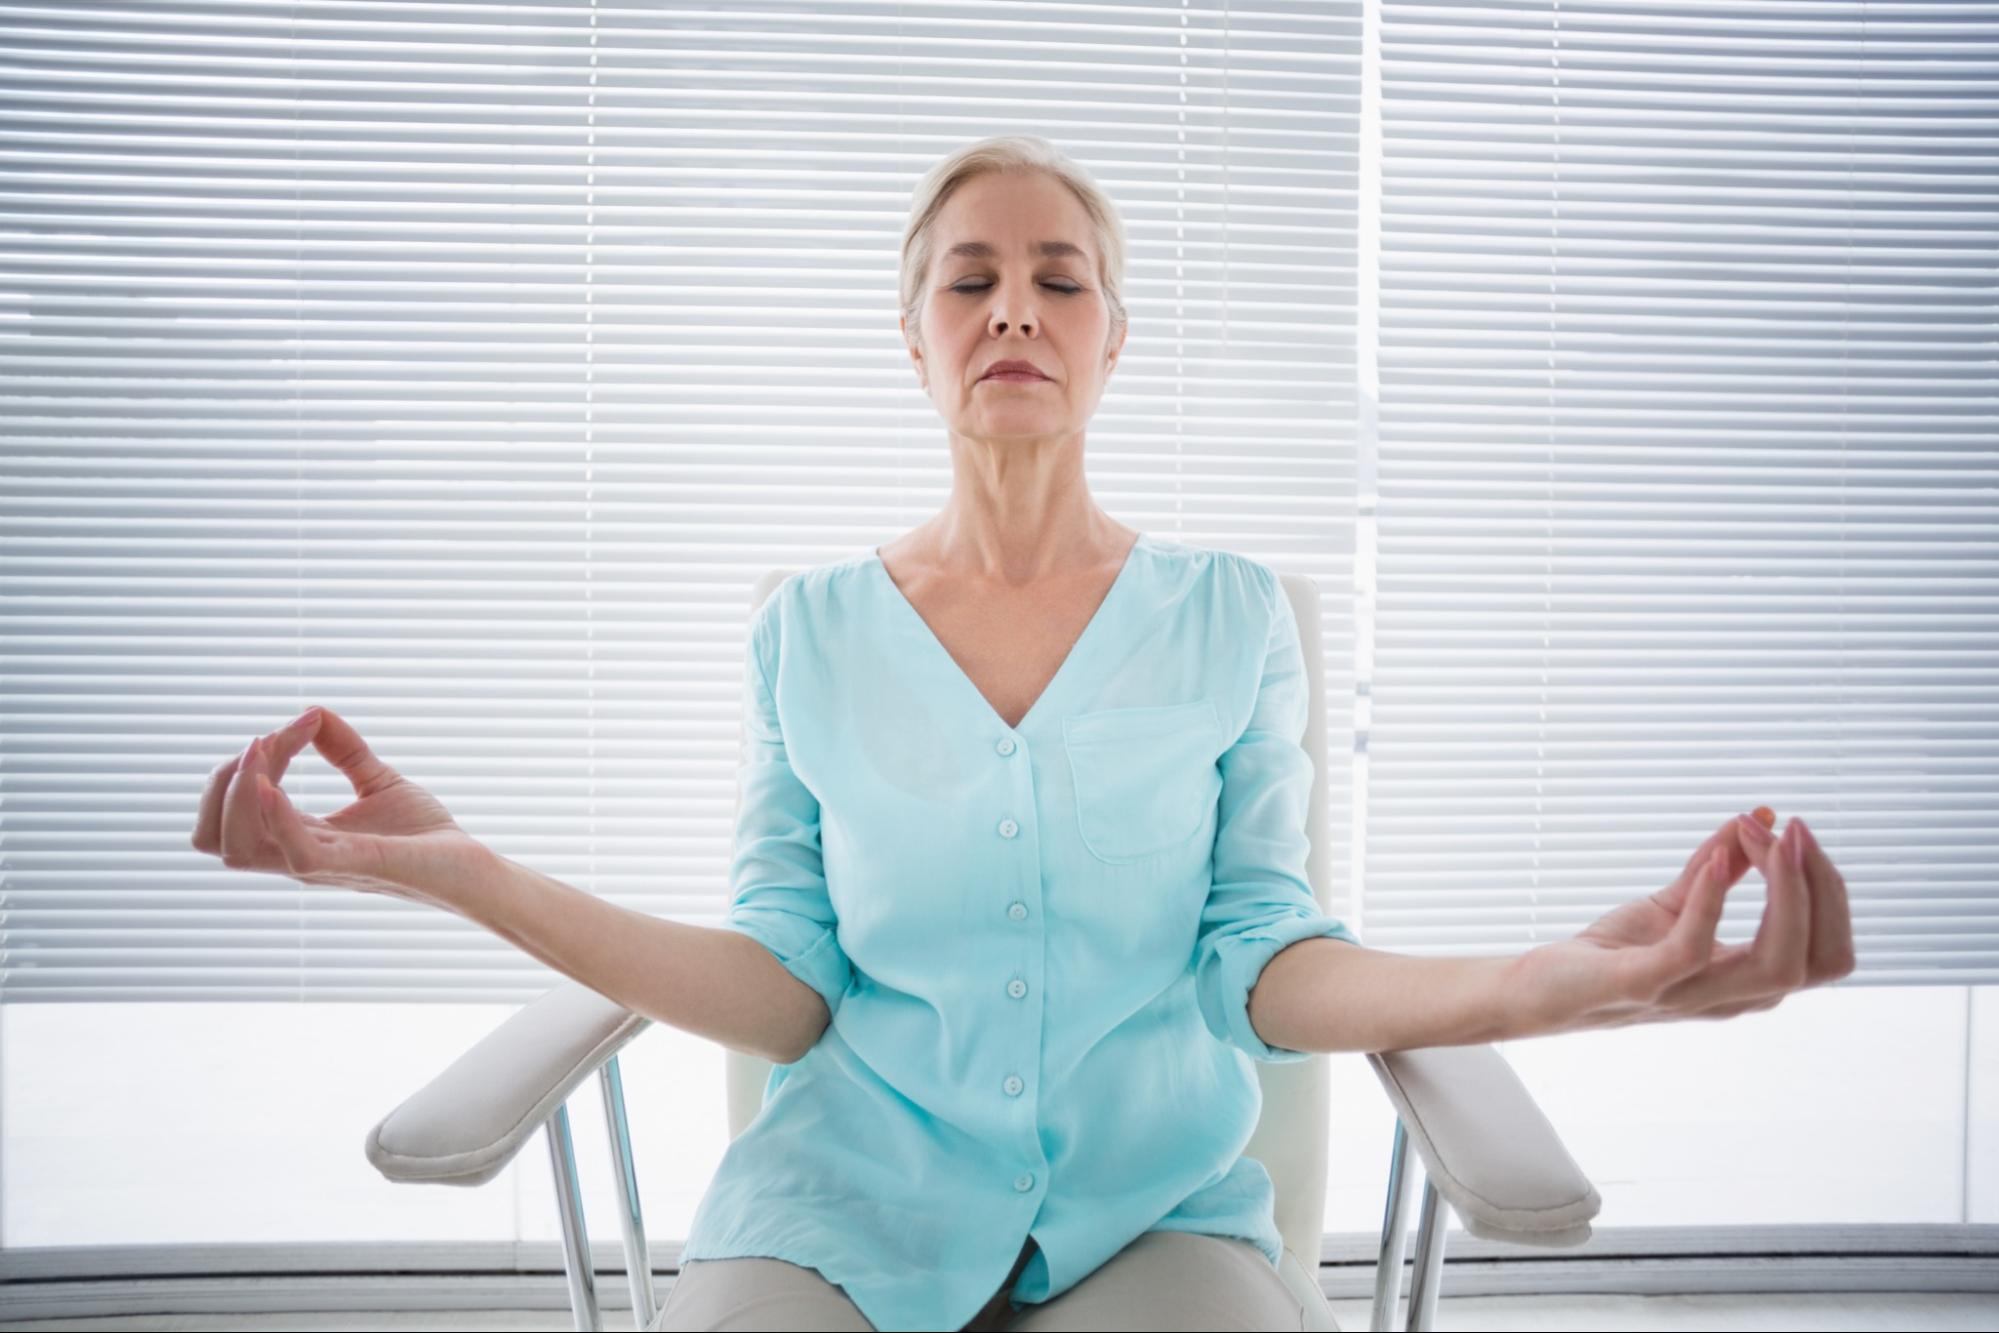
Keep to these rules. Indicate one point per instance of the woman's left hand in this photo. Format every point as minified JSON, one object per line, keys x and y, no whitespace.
{"x":1656,"y":959}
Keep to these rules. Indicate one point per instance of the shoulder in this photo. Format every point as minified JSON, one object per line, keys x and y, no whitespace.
{"x":806,"y":598}
{"x":1234,"y":579}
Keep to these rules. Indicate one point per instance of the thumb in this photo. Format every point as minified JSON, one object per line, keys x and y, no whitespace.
{"x":335,"y":739}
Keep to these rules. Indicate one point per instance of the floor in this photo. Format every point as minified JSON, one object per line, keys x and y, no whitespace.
{"x":1586,"y":1314}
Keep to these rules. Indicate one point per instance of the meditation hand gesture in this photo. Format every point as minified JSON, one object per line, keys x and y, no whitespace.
{"x":1656,"y":959}
{"x":397,"y":839}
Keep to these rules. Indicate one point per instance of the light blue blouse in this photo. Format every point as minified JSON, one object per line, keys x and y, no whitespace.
{"x":1037,"y":942}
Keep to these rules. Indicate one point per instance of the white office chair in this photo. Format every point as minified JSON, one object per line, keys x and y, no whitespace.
{"x":1486,"y":1148}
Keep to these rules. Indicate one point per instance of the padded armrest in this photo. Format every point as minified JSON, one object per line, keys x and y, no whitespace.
{"x":465,"y":1125}
{"x":1487,"y":1147}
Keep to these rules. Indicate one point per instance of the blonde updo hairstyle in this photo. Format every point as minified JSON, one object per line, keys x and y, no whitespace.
{"x":1009,"y":153}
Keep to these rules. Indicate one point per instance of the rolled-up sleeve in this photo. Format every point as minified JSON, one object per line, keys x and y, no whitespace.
{"x":777,"y":874}
{"x":1261,"y":899}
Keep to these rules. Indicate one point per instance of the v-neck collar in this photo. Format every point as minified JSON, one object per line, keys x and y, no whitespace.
{"x":1085,"y":642}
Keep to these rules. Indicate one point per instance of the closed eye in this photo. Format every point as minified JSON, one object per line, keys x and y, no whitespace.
{"x":969,"y":287}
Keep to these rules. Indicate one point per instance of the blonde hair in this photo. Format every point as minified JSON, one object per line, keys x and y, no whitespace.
{"x":1009,"y":153}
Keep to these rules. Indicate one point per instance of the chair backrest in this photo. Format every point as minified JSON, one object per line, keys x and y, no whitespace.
{"x":1292,"y":1130}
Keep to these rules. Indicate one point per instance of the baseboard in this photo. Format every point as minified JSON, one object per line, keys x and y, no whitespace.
{"x":110,"y":1281}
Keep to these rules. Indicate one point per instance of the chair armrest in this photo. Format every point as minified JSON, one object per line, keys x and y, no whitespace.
{"x":1486,"y":1146}
{"x":465,"y":1125}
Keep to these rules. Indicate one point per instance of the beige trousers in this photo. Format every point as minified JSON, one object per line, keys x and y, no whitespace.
{"x":1160,"y":1282}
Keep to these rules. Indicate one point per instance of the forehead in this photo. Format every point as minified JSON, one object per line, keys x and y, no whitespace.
{"x":985,"y":213}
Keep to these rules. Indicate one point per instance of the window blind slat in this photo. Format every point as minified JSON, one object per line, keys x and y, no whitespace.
{"x":1687,"y":498}
{"x":461,"y":368}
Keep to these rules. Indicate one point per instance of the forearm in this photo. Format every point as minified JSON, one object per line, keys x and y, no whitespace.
{"x":1325,"y":994}
{"x":715,"y":983}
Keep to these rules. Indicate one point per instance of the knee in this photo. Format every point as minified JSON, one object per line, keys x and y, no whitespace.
{"x":712,"y":1295}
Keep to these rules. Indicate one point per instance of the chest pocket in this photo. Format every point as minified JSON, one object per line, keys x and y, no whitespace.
{"x":1145,"y":777}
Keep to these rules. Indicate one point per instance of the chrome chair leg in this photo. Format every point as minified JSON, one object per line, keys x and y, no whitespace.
{"x":575,"y":1238}
{"x":1429,"y":1265}
{"x":1394,"y":1223}
{"x":638,"y":1262}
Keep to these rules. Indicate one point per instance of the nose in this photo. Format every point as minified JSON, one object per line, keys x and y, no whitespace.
{"x":999,"y":323}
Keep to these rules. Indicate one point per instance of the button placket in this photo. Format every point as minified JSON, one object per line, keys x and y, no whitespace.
{"x":1020,"y":789}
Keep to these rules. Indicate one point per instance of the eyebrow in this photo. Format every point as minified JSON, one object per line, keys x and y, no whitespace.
{"x":981,"y":250}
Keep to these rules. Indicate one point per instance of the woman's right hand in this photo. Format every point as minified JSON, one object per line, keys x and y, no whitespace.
{"x":396,"y":839}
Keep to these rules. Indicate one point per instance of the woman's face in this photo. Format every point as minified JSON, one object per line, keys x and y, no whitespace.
{"x":1014,"y":302}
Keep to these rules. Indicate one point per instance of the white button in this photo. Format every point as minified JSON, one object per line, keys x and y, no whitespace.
{"x":1013,"y":1085}
{"x":1023,"y":1183}
{"x":1016,"y":988}
{"x":1005,"y":746}
{"x":1018,"y":911}
{"x":1008,"y":828}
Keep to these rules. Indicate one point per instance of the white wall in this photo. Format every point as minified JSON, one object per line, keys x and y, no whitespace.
{"x":244,"y":1122}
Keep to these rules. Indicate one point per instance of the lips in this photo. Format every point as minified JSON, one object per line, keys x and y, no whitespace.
{"x":1014,"y":370}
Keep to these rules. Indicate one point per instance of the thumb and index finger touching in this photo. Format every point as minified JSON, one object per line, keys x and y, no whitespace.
{"x":1787,"y":909}
{"x":1729,"y":840}
{"x":228,"y":817}
{"x":335,"y":739}
{"x":256,"y":807}
{"x":1702,"y":890}
{"x":337,"y":742}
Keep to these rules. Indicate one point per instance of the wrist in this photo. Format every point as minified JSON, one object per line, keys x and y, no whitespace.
{"x":1520,"y":1011}
{"x":460,"y":876}
{"x":1558,"y":987}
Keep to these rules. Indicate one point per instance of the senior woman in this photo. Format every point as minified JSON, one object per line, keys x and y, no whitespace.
{"x":1019,"y":889}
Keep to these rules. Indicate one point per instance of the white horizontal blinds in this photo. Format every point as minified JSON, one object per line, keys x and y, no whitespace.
{"x":462,"y":367}
{"x":1688,"y":479}
{"x":297,"y":412}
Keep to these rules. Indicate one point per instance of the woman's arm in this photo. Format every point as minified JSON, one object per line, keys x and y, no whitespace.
{"x":1653,"y":960}
{"x":1322,"y":994}
{"x":397,"y":839}
{"x":719,"y":984}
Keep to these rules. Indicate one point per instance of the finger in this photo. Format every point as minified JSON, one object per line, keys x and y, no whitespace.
{"x":1736,"y":860}
{"x":208,"y":815}
{"x":1735,"y":841}
{"x":242,"y":821}
{"x":207,"y":835}
{"x":1783,"y":939}
{"x":345,"y":750}
{"x":1740,"y":977}
{"x":1832,"y":917}
{"x":282,"y":745}
{"x":1675,"y":972}
{"x":1752,"y":832}
{"x":1753,"y":841}
{"x":1677,"y":894}
{"x":1691,"y":870}
{"x":1692,"y":936}
{"x":287,"y":830}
